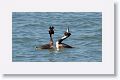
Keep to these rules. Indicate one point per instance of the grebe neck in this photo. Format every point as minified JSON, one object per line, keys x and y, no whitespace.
{"x":63,"y":38}
{"x":51,"y":40}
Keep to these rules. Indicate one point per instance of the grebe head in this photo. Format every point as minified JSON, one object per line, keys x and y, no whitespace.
{"x":51,"y":30}
{"x":68,"y":30}
{"x":67,"y":33}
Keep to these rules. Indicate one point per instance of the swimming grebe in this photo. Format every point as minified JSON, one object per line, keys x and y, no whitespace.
{"x":59,"y":43}
{"x":50,"y":44}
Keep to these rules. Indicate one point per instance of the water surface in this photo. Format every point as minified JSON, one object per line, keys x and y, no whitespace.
{"x":30,"y":29}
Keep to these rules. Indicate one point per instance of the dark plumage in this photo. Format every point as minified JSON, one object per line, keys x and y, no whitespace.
{"x":45,"y":46}
{"x":66,"y":45}
{"x":50,"y":44}
{"x":59,"y":43}
{"x":51,"y":30}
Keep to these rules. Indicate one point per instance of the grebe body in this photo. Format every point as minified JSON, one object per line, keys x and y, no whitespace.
{"x":62,"y":45}
{"x":59,"y":43}
{"x":50,"y":44}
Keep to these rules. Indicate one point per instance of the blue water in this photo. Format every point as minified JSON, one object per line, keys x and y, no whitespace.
{"x":30,"y":29}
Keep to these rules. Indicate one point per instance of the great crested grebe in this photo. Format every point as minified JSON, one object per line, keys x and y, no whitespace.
{"x":59,"y":43}
{"x":50,"y":44}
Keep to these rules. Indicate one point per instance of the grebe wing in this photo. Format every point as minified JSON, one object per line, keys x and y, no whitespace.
{"x":45,"y":46}
{"x":66,"y":45}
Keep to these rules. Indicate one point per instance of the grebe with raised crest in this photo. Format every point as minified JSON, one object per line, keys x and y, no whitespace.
{"x":59,"y":43}
{"x":50,"y":44}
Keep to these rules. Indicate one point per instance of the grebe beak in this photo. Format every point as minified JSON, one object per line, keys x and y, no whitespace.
{"x":51,"y":30}
{"x":68,"y":30}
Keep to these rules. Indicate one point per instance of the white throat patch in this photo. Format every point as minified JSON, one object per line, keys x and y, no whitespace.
{"x":63,"y":37}
{"x":57,"y":45}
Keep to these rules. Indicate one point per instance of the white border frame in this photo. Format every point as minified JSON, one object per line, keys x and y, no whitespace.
{"x":104,"y":67}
